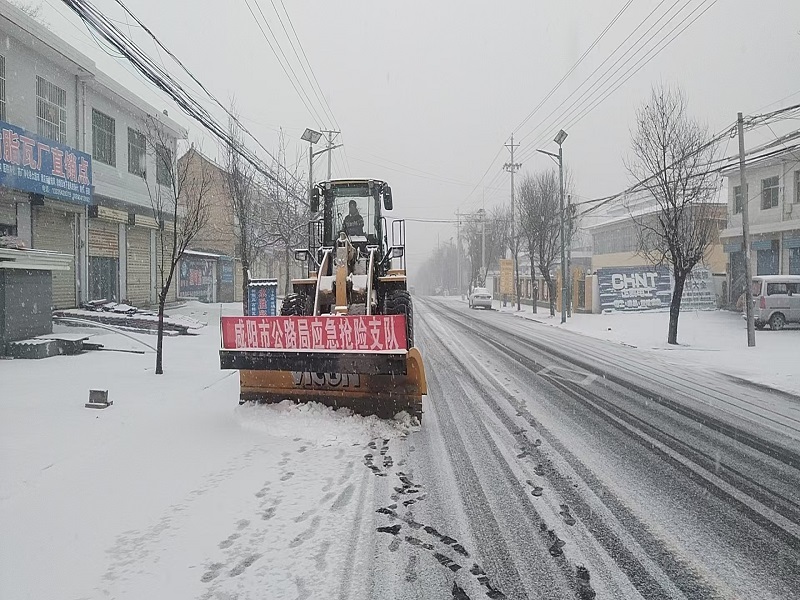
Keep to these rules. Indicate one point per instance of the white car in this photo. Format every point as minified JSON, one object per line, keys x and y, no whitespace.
{"x":480,"y":297}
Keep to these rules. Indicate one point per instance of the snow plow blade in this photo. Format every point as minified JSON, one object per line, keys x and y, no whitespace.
{"x":382,"y":382}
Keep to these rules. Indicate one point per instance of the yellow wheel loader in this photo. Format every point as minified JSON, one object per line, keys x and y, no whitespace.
{"x":345,"y":335}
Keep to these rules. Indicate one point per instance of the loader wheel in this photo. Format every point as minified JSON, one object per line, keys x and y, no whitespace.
{"x":295,"y":305}
{"x":398,"y":302}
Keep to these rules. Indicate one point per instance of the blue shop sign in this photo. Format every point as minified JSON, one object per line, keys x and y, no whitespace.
{"x":30,"y":163}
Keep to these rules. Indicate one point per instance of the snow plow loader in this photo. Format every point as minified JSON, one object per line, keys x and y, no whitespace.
{"x":345,"y":335}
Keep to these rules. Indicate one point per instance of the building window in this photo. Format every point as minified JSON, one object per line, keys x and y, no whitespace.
{"x":797,"y":187}
{"x":104,"y":139}
{"x":163,"y":166}
{"x":51,"y":111}
{"x":737,"y":199}
{"x":137,"y":153}
{"x":2,"y":88}
{"x":770,"y":188}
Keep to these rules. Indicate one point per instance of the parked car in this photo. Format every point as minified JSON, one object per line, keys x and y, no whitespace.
{"x":776,"y":300}
{"x":480,"y":297}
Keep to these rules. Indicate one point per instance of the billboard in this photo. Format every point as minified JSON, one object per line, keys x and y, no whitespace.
{"x":634,"y":288}
{"x":373,"y":333}
{"x":699,"y":292}
{"x":30,"y":163}
{"x":507,"y":276}
{"x":262,"y":298}
{"x":196,"y":278}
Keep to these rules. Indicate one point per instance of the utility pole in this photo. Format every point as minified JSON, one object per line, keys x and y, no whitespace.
{"x":748,"y":269}
{"x":458,"y":253}
{"x":513,"y":167}
{"x":483,"y":245}
{"x":330,"y":138}
{"x":569,"y":255}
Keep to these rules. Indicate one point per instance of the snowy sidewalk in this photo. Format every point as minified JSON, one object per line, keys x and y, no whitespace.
{"x":712,"y":340}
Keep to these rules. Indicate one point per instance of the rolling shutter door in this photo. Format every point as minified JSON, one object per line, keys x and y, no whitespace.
{"x":138,"y":266}
{"x":8,"y":212}
{"x":103,"y":239}
{"x":55,"y":230}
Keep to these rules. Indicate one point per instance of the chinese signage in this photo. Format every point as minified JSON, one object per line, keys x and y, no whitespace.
{"x":375,"y":333}
{"x":196,"y":278}
{"x":506,"y":276}
{"x":262,"y":299}
{"x":634,"y":288}
{"x":699,"y":292}
{"x":30,"y":163}
{"x":226,"y":276}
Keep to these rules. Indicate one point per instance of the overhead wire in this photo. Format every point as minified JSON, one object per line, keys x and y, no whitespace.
{"x":575,"y":66}
{"x":164,"y":81}
{"x":307,"y":62}
{"x":577,"y":107}
{"x":638,"y":66}
{"x":302,"y":94}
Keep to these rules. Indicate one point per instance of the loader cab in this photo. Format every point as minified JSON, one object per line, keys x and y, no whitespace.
{"x":364,"y":198}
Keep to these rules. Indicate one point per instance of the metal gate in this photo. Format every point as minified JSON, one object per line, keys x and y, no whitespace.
{"x":103,"y":260}
{"x":54,"y":229}
{"x":138,"y":239}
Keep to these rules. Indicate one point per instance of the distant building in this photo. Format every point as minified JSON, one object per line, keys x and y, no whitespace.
{"x":773,"y":201}
{"x":212,"y":270}
{"x":615,"y":252}
{"x":74,"y":165}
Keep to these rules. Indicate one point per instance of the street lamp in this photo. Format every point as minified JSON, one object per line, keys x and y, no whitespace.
{"x":312,"y":137}
{"x":559,"y":139}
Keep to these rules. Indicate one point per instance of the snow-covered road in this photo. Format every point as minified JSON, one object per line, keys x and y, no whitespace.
{"x":548,"y":465}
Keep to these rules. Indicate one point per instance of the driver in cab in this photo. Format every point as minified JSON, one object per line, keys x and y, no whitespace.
{"x":353,"y":224}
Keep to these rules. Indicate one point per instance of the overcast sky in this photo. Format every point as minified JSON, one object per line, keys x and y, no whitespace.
{"x":427,"y":92}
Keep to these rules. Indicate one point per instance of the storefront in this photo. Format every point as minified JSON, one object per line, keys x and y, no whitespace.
{"x":104,"y":253}
{"x":198,"y":276}
{"x":45,"y":187}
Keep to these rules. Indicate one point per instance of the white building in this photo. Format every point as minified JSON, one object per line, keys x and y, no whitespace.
{"x":74,"y":169}
{"x":773,"y":205}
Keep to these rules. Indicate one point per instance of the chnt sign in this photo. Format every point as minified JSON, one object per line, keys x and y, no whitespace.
{"x":506,"y":276}
{"x":375,"y":333}
{"x":634,"y":288}
{"x":30,"y":163}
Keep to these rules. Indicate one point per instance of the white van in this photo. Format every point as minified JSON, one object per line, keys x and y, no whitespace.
{"x":776,"y":300}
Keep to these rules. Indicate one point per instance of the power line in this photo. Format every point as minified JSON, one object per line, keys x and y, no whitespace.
{"x":634,"y":51}
{"x":638,"y":66}
{"x":575,"y":66}
{"x":164,"y":81}
{"x":301,"y":94}
{"x":310,"y":68}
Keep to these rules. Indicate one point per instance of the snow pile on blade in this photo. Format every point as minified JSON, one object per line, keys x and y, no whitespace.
{"x":320,"y":424}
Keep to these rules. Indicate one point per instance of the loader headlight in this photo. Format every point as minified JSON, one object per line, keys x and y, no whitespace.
{"x":397,"y":251}
{"x":301,"y":255}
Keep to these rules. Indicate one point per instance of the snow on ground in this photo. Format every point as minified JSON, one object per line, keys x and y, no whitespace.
{"x":175,"y":490}
{"x":712,"y":340}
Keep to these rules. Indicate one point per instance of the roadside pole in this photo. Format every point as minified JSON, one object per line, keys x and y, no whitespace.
{"x":748,"y":269}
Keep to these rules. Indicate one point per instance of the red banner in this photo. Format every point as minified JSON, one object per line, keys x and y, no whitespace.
{"x":374,"y":333}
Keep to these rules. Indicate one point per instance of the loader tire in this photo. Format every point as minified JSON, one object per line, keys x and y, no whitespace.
{"x":398,"y":302}
{"x":295,"y":305}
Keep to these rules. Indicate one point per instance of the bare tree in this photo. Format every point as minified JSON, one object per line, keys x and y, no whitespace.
{"x":672,"y":157}
{"x":240,"y":185}
{"x":284,"y":217}
{"x":540,"y":222}
{"x":180,"y":203}
{"x":496,"y":226}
